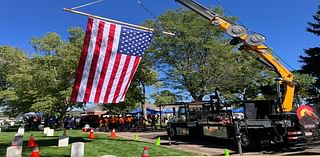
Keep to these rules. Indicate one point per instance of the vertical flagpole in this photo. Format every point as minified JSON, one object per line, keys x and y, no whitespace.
{"x":114,"y":21}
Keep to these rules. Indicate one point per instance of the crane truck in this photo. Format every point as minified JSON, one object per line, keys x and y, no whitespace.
{"x":261,"y":122}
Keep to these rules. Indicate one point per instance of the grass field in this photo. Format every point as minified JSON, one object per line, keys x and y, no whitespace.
{"x":101,"y":145}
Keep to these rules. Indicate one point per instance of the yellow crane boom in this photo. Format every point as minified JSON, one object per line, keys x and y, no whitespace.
{"x":252,"y":43}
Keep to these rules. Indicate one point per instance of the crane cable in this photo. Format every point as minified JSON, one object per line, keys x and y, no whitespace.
{"x":241,"y":23}
{"x":157,"y":20}
{"x":87,"y":4}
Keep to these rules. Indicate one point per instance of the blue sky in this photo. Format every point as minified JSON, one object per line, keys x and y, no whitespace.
{"x":283,"y":22}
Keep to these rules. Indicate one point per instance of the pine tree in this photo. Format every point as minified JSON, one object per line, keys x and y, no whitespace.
{"x":315,"y":27}
{"x":311,"y":58}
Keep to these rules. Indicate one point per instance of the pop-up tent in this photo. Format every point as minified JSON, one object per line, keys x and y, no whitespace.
{"x":139,"y":110}
{"x":168,"y":110}
{"x":135,"y":111}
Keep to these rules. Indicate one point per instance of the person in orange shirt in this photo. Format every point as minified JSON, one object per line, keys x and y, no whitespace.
{"x":114,"y":121}
{"x":121,"y":123}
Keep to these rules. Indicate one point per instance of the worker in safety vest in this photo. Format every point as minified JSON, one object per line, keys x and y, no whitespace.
{"x":113,"y":122}
{"x":121,"y":123}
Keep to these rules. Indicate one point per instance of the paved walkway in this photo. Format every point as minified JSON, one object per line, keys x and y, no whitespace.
{"x":215,"y":147}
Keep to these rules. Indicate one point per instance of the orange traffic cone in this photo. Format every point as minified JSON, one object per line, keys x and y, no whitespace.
{"x":91,"y":134}
{"x":35,"y":151}
{"x":32,"y":142}
{"x":113,"y":133}
{"x":145,"y":152}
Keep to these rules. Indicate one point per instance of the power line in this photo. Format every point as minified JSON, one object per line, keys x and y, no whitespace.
{"x":152,"y":15}
{"x":87,"y":4}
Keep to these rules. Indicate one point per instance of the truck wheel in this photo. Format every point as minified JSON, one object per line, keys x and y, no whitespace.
{"x":248,"y":141}
{"x":245,"y":140}
{"x":172,"y":132}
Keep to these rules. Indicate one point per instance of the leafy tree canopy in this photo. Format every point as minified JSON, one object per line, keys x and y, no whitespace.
{"x":199,"y":58}
{"x":164,"y":97}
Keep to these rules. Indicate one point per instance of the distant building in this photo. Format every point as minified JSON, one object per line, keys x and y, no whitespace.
{"x":96,"y":110}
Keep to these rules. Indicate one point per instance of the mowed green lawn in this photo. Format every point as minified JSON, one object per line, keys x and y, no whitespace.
{"x":101,"y":145}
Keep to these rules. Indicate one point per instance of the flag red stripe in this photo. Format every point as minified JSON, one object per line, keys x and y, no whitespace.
{"x":94,"y":62}
{"x":123,"y":74}
{"x":105,"y":62}
{"x":82,"y":61}
{"x":112,"y":77}
{"x":135,"y":66}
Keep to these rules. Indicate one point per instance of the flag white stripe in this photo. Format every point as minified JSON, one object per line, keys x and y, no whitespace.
{"x":87,"y":66}
{"x":102,"y":54}
{"x":126,"y":79}
{"x":128,"y":83}
{"x":117,"y":78}
{"x":111,"y":63}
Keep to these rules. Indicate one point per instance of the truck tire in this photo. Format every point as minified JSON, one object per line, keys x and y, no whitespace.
{"x":247,"y":141}
{"x":172,"y":132}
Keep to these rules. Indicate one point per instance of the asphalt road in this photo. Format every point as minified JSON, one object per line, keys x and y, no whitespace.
{"x":208,"y":146}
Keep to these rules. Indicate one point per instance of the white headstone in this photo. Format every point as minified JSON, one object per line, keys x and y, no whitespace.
{"x":0,"y":130}
{"x":21,"y":131}
{"x":63,"y":141}
{"x":45,"y":130}
{"x":14,"y":151}
{"x":77,"y":149}
{"x":50,"y":132}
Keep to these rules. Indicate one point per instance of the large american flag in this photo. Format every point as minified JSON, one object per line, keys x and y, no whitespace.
{"x":110,"y":56}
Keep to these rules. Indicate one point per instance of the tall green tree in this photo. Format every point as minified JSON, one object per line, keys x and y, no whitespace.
{"x":164,"y":97}
{"x":15,"y":68}
{"x":311,"y":57}
{"x":199,"y":58}
{"x":54,"y":71}
{"x":42,"y":82}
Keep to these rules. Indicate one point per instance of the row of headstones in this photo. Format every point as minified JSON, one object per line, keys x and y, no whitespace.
{"x":77,"y":148}
{"x":63,"y":140}
{"x":15,"y":150}
{"x":47,"y":131}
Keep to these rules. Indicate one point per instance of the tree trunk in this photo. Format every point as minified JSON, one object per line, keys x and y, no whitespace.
{"x":62,"y":116}
{"x":144,"y":108}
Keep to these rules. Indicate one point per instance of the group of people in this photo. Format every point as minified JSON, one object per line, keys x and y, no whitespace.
{"x":127,"y":123}
{"x":135,"y":122}
{"x":32,"y":122}
{"x":69,"y":122}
